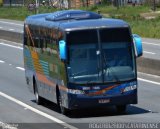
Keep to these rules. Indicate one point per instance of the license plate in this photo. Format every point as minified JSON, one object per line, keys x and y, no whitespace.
{"x":103,"y":100}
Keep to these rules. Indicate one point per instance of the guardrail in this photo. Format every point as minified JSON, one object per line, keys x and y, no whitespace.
{"x":11,"y":36}
{"x":146,"y":65}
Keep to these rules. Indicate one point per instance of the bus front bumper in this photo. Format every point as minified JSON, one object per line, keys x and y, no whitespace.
{"x":79,"y":101}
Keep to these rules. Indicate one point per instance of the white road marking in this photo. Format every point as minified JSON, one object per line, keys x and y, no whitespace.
{"x":37,"y":111}
{"x":11,"y":23}
{"x":10,"y":64}
{"x":149,"y":52}
{"x":1,"y":27}
{"x":20,"y":68}
{"x":8,"y":45}
{"x":151,"y":43}
{"x":1,"y":61}
{"x":149,"y":81}
{"x":8,"y":126}
{"x":11,"y":29}
{"x":11,"y":42}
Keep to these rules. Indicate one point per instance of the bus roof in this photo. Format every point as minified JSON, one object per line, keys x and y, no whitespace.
{"x":73,"y":20}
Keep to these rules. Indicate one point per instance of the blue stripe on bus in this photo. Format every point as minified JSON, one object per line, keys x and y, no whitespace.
{"x":45,"y":67}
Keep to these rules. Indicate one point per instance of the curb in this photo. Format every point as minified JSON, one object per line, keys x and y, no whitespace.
{"x":145,"y":65}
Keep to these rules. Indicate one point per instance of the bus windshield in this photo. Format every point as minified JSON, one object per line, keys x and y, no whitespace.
{"x":109,"y":58}
{"x":117,"y":54}
{"x":83,"y":64}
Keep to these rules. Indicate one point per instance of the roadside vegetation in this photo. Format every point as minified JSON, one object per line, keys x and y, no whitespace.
{"x":142,"y":19}
{"x":1,"y":3}
{"x":20,"y":13}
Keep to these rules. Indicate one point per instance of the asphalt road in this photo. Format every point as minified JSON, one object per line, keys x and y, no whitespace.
{"x":17,"y":104}
{"x":11,"y":25}
{"x":151,"y":46}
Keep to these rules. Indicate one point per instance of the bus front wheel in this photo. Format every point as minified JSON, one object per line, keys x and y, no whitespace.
{"x":63,"y":110}
{"x":121,"y":108}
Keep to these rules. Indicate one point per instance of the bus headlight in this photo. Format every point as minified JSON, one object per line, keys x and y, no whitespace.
{"x":129,"y":88}
{"x":71,"y":91}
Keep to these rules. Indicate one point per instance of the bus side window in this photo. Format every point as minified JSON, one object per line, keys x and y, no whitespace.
{"x":32,"y":37}
{"x":36,"y":42}
{"x":44,"y":43}
{"x":41,"y":43}
{"x":25,"y":36}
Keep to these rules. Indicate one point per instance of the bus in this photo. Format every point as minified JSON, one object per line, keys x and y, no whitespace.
{"x":78,"y":59}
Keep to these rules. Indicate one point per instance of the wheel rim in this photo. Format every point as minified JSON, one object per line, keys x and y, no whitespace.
{"x":36,"y":94}
{"x":60,"y":101}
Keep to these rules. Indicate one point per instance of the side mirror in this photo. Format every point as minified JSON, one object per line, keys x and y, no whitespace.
{"x":137,"y":45}
{"x":62,"y":50}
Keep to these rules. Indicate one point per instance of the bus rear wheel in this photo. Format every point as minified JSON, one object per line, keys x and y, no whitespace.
{"x":121,"y":108}
{"x":38,"y":98}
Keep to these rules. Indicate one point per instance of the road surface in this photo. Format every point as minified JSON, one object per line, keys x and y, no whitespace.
{"x":11,"y":25}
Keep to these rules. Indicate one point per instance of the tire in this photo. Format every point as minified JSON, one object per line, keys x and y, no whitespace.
{"x":38,"y":98}
{"x":63,"y":110}
{"x":121,"y":108}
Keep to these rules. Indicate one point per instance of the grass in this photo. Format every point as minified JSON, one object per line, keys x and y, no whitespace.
{"x":17,"y":13}
{"x":139,"y":25}
{"x":146,"y":28}
{"x":20,"y":13}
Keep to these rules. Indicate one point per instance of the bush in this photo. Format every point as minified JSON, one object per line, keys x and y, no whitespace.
{"x":1,"y":2}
